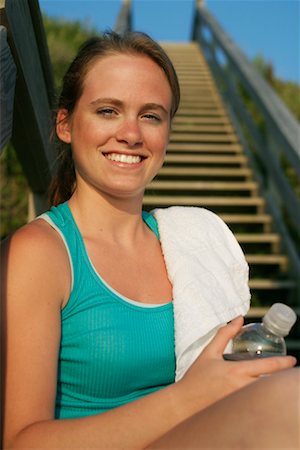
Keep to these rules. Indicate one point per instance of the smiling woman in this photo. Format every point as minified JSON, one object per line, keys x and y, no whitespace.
{"x":112,"y":126}
{"x":149,"y":55}
{"x":90,"y":339}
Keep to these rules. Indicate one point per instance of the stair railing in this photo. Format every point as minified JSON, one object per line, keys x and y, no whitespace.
{"x":123,"y":22}
{"x":268,"y":131}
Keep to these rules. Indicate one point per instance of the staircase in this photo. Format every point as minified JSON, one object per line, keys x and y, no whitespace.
{"x":206,"y":166}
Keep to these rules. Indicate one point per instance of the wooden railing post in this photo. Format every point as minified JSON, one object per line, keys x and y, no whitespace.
{"x":7,"y":89}
{"x":32,"y":122}
{"x":123,"y":22}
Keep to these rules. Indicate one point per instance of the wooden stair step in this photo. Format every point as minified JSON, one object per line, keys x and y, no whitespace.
{"x":204,"y":185}
{"x":198,"y":94}
{"x":202,"y":159}
{"x":195,"y":128}
{"x":276,"y":260}
{"x":265,"y":220}
{"x":187,"y":68}
{"x":198,"y":137}
{"x":189,"y":71}
{"x":260,"y":311}
{"x":205,"y":171}
{"x":201,"y":120}
{"x":202,"y":81}
{"x":192,"y":147}
{"x":202,"y":112}
{"x":265,"y":283}
{"x":271,"y":239}
{"x":206,"y":107}
{"x":257,"y":238}
{"x":185,"y":79}
{"x":165,"y":200}
{"x":199,"y":100}
{"x":188,"y":83}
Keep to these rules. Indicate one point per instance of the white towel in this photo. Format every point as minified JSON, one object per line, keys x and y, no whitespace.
{"x":209,"y":274}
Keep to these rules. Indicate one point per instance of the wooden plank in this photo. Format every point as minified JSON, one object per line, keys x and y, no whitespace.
{"x":203,"y":112}
{"x":202,"y":159}
{"x":206,"y":171}
{"x":204,"y":185}
{"x":200,"y":120}
{"x":194,"y":128}
{"x":276,"y":260}
{"x":213,"y":201}
{"x":271,"y":284}
{"x":7,"y":89}
{"x":246,"y":218}
{"x":188,"y":137}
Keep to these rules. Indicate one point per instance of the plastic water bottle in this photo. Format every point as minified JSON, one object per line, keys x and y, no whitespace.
{"x":260,"y":340}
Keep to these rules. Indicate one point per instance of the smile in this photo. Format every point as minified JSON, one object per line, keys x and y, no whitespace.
{"x":127,"y":159}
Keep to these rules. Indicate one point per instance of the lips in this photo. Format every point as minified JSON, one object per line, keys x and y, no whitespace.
{"x":123,"y":158}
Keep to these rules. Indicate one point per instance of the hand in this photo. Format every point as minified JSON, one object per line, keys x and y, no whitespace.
{"x":211,"y":378}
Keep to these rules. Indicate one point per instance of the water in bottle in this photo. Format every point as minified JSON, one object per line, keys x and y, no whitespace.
{"x":260,"y":340}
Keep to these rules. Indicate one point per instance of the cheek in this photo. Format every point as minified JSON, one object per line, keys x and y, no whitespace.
{"x":91,"y":132}
{"x":158,"y":139}
{"x":163,"y":141}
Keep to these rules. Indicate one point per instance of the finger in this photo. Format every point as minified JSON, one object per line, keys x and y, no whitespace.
{"x":218,"y":344}
{"x":257,"y":367}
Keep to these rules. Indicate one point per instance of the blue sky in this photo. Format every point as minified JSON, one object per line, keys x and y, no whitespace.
{"x":267,"y":27}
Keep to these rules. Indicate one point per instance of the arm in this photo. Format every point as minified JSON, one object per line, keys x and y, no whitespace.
{"x":36,"y":284}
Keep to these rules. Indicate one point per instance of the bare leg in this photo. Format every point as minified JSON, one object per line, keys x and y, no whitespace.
{"x":263,"y":415}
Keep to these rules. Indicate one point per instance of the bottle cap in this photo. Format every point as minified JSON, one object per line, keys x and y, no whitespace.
{"x":279,"y":319}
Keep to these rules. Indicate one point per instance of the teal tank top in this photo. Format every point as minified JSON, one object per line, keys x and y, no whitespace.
{"x":113,"y":350}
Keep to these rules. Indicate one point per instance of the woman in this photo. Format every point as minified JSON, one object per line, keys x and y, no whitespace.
{"x":90,"y":360}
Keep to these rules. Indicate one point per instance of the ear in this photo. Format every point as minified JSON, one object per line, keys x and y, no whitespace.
{"x":63,"y":129}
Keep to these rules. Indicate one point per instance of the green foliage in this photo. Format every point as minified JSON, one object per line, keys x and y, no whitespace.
{"x":64,"y":39}
{"x":14,"y":192}
{"x":288,"y":91}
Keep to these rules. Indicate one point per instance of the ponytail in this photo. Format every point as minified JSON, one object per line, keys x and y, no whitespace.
{"x":63,"y":183}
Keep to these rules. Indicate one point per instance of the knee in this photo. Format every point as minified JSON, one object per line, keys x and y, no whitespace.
{"x":286,"y":385}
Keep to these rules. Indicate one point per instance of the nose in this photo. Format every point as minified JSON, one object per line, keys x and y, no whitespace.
{"x":129,"y":132}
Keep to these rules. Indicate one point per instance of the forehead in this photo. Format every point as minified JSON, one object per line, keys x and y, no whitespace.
{"x":115,"y":71}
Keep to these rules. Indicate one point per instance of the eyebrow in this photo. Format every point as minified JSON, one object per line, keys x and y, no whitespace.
{"x":115,"y":101}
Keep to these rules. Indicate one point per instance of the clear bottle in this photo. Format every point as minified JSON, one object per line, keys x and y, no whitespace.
{"x":260,"y":340}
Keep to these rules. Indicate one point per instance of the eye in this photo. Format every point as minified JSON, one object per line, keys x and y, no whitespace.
{"x":152,"y":117}
{"x":106,"y":112}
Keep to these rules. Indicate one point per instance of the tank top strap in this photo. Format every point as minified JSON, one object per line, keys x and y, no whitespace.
{"x":150,"y":220}
{"x":60,"y":218}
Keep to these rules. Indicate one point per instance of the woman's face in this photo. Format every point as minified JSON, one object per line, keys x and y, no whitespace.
{"x":120,"y":127}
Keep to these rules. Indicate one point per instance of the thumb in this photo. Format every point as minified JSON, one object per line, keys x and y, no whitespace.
{"x":218,"y":344}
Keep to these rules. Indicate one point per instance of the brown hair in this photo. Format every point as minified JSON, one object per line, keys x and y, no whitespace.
{"x":64,"y":181}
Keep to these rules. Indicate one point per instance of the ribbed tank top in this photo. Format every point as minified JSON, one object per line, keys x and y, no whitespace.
{"x":113,"y":350}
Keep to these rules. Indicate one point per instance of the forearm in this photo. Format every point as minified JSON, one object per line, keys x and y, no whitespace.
{"x":132,"y":426}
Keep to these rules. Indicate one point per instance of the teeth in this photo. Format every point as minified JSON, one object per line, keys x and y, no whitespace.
{"x":128,"y":159}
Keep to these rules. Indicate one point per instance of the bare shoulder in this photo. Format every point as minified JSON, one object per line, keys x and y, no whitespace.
{"x":36,"y":252}
{"x":36,"y":235}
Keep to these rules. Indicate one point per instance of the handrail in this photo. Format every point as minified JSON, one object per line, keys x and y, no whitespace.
{"x":34,"y":92}
{"x":123,"y":22}
{"x":271,"y":143}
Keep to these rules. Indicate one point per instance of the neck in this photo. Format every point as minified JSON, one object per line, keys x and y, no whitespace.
{"x":115,"y":218}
